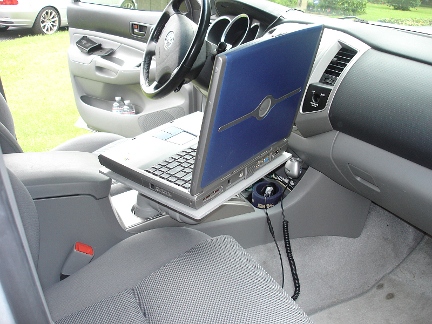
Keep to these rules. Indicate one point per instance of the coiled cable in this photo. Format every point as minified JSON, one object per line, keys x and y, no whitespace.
{"x":289,"y":254}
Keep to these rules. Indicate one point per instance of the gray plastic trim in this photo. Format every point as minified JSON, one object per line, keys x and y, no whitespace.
{"x":98,"y":115}
{"x":97,"y":80}
{"x":399,"y":185}
{"x":217,"y":29}
{"x":107,"y":40}
{"x":385,"y":101}
{"x":57,"y":174}
{"x":94,"y":17}
{"x":310,"y":124}
{"x":159,"y":216}
{"x":120,"y":67}
{"x":316,"y":151}
{"x":124,"y":204}
{"x":233,"y":207}
{"x":310,"y":209}
{"x":239,"y":25}
{"x":410,"y":43}
{"x":66,"y":220}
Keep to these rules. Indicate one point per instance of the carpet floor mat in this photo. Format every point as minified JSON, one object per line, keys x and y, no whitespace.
{"x":403,"y":296}
{"x":333,"y":270}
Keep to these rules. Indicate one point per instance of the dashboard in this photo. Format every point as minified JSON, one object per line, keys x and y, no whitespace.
{"x":365,"y":117}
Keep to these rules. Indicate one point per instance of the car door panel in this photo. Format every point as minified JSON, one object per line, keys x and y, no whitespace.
{"x":121,"y":67}
{"x":97,"y":80}
{"x":108,"y":19}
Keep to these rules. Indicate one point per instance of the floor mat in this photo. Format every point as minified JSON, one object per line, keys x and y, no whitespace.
{"x":403,"y":296}
{"x":336,"y":269}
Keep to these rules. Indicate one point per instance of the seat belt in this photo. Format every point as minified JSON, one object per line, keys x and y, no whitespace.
{"x":2,"y":90}
{"x":80,"y":256}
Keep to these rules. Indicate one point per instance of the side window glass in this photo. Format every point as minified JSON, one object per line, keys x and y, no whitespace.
{"x":147,"y":5}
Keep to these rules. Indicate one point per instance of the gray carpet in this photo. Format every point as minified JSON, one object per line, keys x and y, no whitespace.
{"x":336,"y":269}
{"x":403,"y":296}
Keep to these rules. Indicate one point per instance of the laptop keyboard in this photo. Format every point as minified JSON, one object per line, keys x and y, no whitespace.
{"x":177,"y":169}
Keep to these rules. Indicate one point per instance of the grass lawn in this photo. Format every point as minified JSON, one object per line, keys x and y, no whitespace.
{"x":375,"y":12}
{"x":35,"y":76}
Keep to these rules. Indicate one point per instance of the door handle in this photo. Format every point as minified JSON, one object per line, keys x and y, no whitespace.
{"x":100,"y":62}
{"x":139,"y":29}
{"x":114,"y":73}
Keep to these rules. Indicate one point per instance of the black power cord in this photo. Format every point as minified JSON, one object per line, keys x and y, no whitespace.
{"x":271,"y":229}
{"x":288,"y":250}
{"x":267,"y":190}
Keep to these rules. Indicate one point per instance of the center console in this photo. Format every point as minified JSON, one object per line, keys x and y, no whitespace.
{"x":59,"y":174}
{"x":73,"y":205}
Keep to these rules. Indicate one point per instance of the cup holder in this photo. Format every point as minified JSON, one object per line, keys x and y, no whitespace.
{"x":104,"y":104}
{"x":96,"y":102}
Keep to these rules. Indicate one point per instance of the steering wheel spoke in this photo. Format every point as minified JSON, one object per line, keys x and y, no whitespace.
{"x":169,"y":10}
{"x":175,"y":43}
{"x":151,"y":48}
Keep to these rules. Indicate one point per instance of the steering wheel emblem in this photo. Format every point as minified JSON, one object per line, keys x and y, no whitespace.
{"x":169,"y":40}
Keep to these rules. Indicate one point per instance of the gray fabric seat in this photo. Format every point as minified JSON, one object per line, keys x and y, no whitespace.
{"x":166,"y":275}
{"x":85,"y":143}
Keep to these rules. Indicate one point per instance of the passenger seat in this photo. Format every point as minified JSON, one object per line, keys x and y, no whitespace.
{"x":166,"y":275}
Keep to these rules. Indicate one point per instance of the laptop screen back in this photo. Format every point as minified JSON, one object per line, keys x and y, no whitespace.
{"x":259,"y":89}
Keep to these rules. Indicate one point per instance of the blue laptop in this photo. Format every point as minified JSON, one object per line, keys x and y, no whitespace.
{"x":254,"y":96}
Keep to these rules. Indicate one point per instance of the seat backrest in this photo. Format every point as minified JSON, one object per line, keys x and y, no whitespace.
{"x":18,"y":278}
{"x":29,"y":216}
{"x":8,"y":141}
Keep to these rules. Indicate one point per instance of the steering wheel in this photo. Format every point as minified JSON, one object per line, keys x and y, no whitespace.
{"x":175,"y":42}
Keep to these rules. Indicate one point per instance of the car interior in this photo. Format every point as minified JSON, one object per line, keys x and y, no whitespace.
{"x":348,"y":242}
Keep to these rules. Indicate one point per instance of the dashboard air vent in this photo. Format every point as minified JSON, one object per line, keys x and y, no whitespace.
{"x":337,"y":65}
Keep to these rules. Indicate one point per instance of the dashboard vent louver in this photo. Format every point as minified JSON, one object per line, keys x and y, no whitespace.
{"x":337,"y":65}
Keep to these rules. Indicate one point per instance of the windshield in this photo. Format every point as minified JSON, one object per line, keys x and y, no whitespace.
{"x":401,"y":13}
{"x":396,"y":12}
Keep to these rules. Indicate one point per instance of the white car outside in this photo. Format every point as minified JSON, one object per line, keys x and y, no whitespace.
{"x":43,"y":16}
{"x":128,"y":4}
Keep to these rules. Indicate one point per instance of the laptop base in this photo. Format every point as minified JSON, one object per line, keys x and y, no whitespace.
{"x":191,"y":215}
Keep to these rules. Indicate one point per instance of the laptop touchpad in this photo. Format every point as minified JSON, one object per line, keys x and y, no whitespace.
{"x":181,"y":138}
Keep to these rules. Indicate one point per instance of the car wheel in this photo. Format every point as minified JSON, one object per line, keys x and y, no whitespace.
{"x":47,"y":21}
{"x":3,"y":28}
{"x":128,"y":4}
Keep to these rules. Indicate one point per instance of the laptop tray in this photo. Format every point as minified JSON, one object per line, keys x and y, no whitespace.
{"x":200,"y":213}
